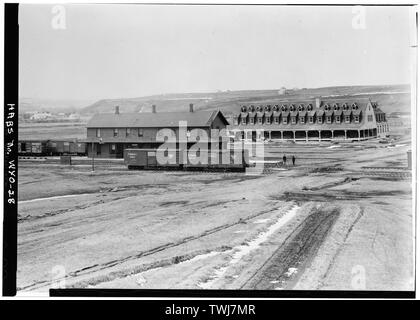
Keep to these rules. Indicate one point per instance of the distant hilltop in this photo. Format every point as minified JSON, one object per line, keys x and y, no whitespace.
{"x":391,"y":98}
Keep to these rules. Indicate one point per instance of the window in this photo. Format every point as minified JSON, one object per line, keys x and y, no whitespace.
{"x":370,"y":117}
{"x":243,"y":120}
{"x":284,"y":120}
{"x":329,"y":119}
{"x":276,"y":120}
{"x":320,"y":119}
{"x":115,"y":132}
{"x":293,"y":120}
{"x":302,"y":119}
{"x":98,"y":133}
{"x":356,"y":119}
{"x":268,"y":120}
{"x":337,"y":119}
{"x":127,"y":132}
{"x":260,"y":120}
{"x":347,"y":119}
{"x":140,"y":132}
{"x":112,"y":149}
{"x":251,"y":120}
{"x":311,"y":119}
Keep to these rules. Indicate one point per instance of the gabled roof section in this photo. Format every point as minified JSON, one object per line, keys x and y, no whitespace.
{"x":154,"y":120}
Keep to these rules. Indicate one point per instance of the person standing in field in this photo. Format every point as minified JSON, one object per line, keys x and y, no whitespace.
{"x":284,"y":160}
{"x":293,"y":159}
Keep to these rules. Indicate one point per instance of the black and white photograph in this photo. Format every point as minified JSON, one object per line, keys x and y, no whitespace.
{"x":213,"y":147}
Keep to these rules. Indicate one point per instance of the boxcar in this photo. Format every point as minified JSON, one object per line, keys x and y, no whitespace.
{"x":33,"y":147}
{"x":221,"y":160}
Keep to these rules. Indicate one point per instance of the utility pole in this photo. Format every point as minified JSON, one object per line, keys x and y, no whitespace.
{"x":93,"y":156}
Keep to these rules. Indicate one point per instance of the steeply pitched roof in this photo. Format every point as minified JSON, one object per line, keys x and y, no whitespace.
{"x":154,"y":120}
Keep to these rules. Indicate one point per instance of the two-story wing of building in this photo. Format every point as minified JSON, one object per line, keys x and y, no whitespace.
{"x":109,"y":134}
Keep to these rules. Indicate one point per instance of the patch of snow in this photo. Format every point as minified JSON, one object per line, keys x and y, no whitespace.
{"x":291,"y":271}
{"x":261,"y":220}
{"x":274,"y":281}
{"x":332,"y":147}
{"x":240,"y":251}
{"x":55,"y":197}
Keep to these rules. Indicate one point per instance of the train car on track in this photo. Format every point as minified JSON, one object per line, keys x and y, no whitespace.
{"x":177,"y":159}
{"x":33,"y":147}
{"x":51,"y":147}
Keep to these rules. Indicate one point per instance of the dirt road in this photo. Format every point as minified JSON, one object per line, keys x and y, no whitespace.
{"x":303,"y":227}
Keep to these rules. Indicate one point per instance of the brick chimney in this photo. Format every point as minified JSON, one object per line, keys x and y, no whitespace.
{"x":153,"y":108}
{"x":117,"y":109}
{"x":191,"y":107}
{"x":317,"y":102}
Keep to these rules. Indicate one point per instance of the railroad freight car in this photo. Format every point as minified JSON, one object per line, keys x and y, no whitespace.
{"x":33,"y":147}
{"x":51,"y":147}
{"x":221,"y":160}
{"x":66,"y":147}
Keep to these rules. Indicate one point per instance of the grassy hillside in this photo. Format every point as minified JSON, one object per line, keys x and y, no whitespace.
{"x":390,"y":98}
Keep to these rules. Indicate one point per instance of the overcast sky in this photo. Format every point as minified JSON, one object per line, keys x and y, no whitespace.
{"x":116,"y":51}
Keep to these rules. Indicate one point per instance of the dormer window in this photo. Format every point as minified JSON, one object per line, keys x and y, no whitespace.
{"x":345,"y":106}
{"x":327,"y":107}
{"x":301,"y":107}
{"x":310,"y":107}
{"x":243,"y":109}
{"x":292,"y":107}
{"x":283,"y":108}
{"x":354,"y":106}
{"x":336,"y":107}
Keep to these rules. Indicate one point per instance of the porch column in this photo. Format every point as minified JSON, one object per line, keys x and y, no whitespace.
{"x":358,"y":132}
{"x":269,"y":134}
{"x":281,"y":135}
{"x":319,"y":135}
{"x":332,"y":134}
{"x":306,"y":131}
{"x":345,"y":134}
{"x":294,"y":136}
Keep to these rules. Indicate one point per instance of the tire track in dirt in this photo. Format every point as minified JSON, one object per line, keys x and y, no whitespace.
{"x":98,"y":267}
{"x":295,"y":253}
